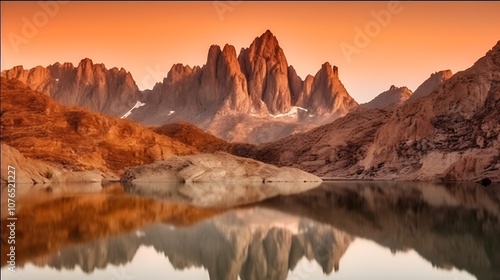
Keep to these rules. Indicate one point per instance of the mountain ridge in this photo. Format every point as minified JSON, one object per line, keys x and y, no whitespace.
{"x":257,"y":82}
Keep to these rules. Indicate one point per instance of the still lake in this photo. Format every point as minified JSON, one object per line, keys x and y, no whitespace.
{"x":340,"y":230}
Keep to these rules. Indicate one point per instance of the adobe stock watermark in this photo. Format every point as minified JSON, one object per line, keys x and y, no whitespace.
{"x":222,"y":7}
{"x":153,"y":76}
{"x":121,"y":275}
{"x":363,"y":37}
{"x":32,"y":25}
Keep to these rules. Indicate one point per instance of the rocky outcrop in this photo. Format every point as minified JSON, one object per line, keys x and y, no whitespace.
{"x":217,"y":167}
{"x":393,"y":97}
{"x":265,"y":66}
{"x":327,"y":95}
{"x":429,"y":85}
{"x":452,"y":134}
{"x":296,"y":85}
{"x":33,"y":171}
{"x":88,"y":85}
{"x":197,"y":94}
{"x":216,"y":180}
{"x":230,"y":84}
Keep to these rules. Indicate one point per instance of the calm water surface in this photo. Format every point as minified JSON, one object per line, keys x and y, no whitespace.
{"x":341,"y":230}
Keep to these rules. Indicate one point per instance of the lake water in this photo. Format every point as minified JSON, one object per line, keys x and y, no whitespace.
{"x":340,"y":230}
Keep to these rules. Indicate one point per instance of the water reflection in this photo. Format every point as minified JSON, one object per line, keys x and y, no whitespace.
{"x":217,"y":194}
{"x":449,"y":226}
{"x":253,"y":243}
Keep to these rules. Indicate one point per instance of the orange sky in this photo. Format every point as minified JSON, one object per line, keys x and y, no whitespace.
{"x":146,"y":38}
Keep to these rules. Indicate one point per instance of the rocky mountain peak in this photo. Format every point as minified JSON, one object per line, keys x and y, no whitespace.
{"x":490,"y":60}
{"x":267,"y":44}
{"x":213,"y":51}
{"x":87,"y":85}
{"x":328,"y":95}
{"x":266,"y":69}
{"x":268,"y":34}
{"x":86,"y":63}
{"x":495,"y":49}
{"x":178,"y":72}
{"x":328,"y":70}
{"x":429,"y":85}
{"x":393,"y":97}
{"x":229,"y":51}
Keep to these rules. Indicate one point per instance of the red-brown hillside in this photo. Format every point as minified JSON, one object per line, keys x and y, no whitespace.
{"x":40,"y":128}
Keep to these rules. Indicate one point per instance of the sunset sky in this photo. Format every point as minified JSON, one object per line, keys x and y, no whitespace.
{"x":408,"y":42}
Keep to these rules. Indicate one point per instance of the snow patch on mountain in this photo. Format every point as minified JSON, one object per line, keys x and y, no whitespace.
{"x":294,"y":112}
{"x":137,"y":105}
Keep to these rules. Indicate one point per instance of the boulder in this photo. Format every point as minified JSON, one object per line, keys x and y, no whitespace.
{"x":216,"y":180}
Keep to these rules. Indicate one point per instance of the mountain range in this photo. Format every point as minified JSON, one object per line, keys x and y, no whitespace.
{"x":453,"y":133}
{"x":447,"y":130}
{"x":254,"y":96}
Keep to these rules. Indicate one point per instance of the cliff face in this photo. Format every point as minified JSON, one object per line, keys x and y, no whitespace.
{"x":327,"y":94}
{"x":266,"y":70}
{"x":87,"y":85}
{"x":256,"y":90}
{"x":451,"y":134}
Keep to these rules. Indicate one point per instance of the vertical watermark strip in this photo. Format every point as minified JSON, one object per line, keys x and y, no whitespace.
{"x":11,"y":219}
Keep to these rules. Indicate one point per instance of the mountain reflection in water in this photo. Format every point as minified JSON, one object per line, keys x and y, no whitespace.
{"x":454,"y":227}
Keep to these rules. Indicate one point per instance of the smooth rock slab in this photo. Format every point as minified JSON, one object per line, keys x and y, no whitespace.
{"x":215,"y":168}
{"x":216,"y":180}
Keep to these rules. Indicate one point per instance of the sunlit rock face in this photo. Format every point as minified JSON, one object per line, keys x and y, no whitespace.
{"x":51,"y":142}
{"x":429,"y":85}
{"x":328,"y":95}
{"x":265,"y":66}
{"x":254,"y":98}
{"x":393,"y":97}
{"x":88,"y":85}
{"x":451,"y":134}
